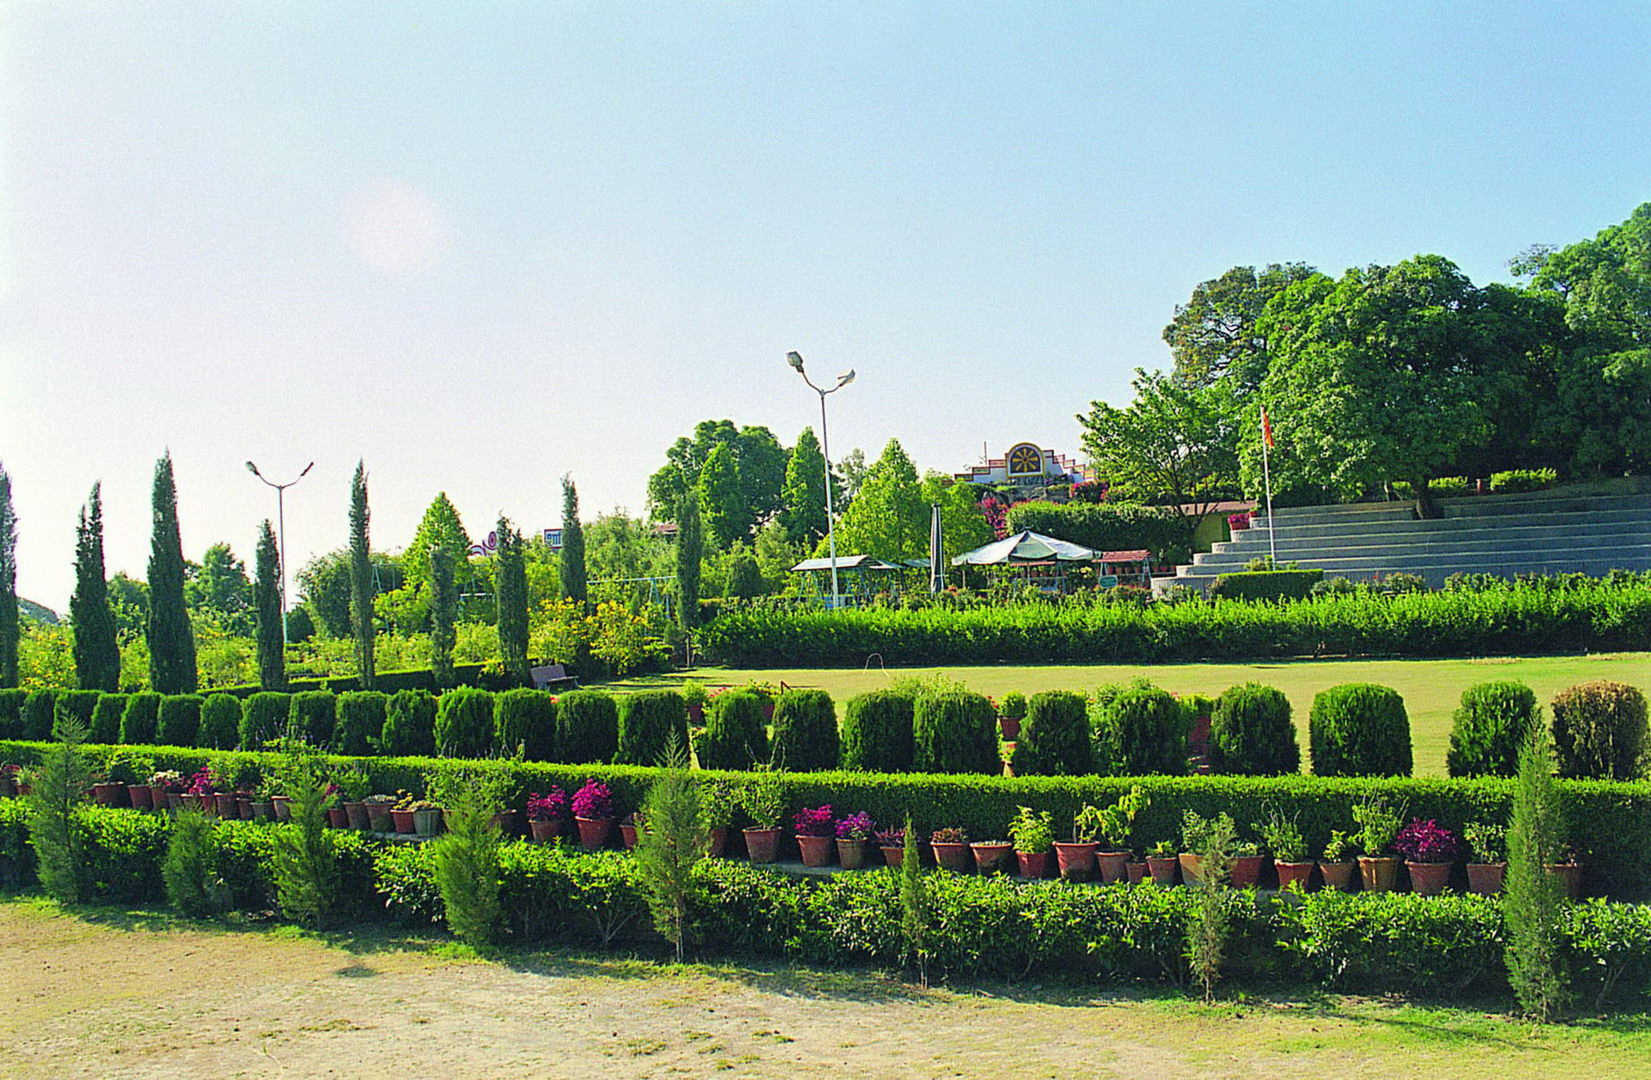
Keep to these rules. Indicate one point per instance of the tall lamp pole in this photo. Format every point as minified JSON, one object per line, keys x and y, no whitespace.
{"x":795,"y":359}
{"x":281,"y":527}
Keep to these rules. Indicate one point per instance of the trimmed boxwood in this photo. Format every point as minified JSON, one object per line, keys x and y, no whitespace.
{"x":314,"y":714}
{"x":877,"y":728}
{"x":1140,"y":730}
{"x":954,"y":731}
{"x":649,"y":724}
{"x":220,"y":722}
{"x":39,"y":711}
{"x":106,"y":717}
{"x":178,"y":720}
{"x":735,"y":735}
{"x":79,"y":704}
{"x":409,"y":723}
{"x":1489,"y":726}
{"x":587,"y":727}
{"x":1359,"y":729}
{"x":526,"y":718}
{"x":360,"y":721}
{"x":805,"y":731}
{"x":1599,"y":730}
{"x":264,"y":717}
{"x":1054,"y":736}
{"x":1251,"y":733}
{"x":464,"y":723}
{"x":11,"y":713}
{"x":141,"y":718}
{"x":1266,"y":584}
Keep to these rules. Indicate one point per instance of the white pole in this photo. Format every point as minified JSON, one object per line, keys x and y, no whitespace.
{"x":1267,"y":475}
{"x":831,"y":517}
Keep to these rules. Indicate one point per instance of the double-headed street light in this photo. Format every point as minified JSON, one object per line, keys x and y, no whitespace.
{"x":281,"y":526}
{"x":795,"y":359}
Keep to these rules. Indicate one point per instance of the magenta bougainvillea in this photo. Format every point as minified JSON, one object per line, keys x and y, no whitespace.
{"x":593,"y":800}
{"x":815,"y":822}
{"x":550,"y":806}
{"x":1427,"y":842}
{"x":857,"y":826}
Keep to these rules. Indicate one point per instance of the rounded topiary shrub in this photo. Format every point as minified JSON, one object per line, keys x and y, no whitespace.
{"x":735,"y":735}
{"x":139,"y":722}
{"x":526,"y":718}
{"x":1139,"y":730}
{"x":1251,"y":733}
{"x":39,"y":710}
{"x":220,"y":722}
{"x":1359,"y":729}
{"x":1599,"y":731}
{"x":587,"y":727}
{"x":106,"y":717}
{"x":409,"y":724}
{"x":11,"y":713}
{"x":1054,"y":736}
{"x":650,"y":723}
{"x":805,"y":731}
{"x":877,"y":731}
{"x":264,"y":717}
{"x":464,"y":723}
{"x":77,"y":705}
{"x":314,"y":714}
{"x":360,"y":721}
{"x":1489,"y":726}
{"x":954,"y":731}
{"x":178,"y":722}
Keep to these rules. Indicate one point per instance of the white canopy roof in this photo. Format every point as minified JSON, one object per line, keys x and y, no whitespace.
{"x":1025,"y":546}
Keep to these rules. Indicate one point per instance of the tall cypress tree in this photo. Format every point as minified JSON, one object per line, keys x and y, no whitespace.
{"x":361,"y":577}
{"x":572,"y":565}
{"x":97,"y":656}
{"x":444,"y":610}
{"x":8,"y":585}
{"x":512,"y":593}
{"x":690,"y":548}
{"x":266,"y":602}
{"x":171,"y":639}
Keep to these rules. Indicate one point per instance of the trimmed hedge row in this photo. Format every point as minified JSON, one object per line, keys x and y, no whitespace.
{"x":1266,"y":584}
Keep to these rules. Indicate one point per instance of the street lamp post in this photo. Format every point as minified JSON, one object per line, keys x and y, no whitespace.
{"x":795,"y":359}
{"x":281,"y":531}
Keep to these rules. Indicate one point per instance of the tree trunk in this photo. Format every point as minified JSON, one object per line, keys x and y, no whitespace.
{"x":1427,"y":508}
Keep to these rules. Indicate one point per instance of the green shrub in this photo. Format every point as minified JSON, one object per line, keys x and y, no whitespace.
{"x":1266,"y":584}
{"x":877,"y":731}
{"x":220,"y":722}
{"x":735,"y":736}
{"x":1359,"y":729}
{"x":1488,"y":728}
{"x":464,"y":723}
{"x":190,"y":870}
{"x":1517,"y":480}
{"x":805,"y":731}
{"x":650,"y":723}
{"x":264,"y":717}
{"x":1107,"y":526}
{"x":672,"y":839}
{"x":954,"y":731}
{"x":587,"y":727}
{"x":409,"y":724}
{"x":106,"y":718}
{"x":1533,"y":896}
{"x":11,"y":713}
{"x":1599,"y":730}
{"x":39,"y":712}
{"x":141,"y":720}
{"x":313,"y":714}
{"x":1424,"y":945}
{"x":526,"y":718}
{"x":178,"y":721}
{"x":466,"y":857}
{"x":305,"y":867}
{"x":1055,"y":738}
{"x":1139,"y":730}
{"x":1251,"y":733}
{"x":60,"y":786}
{"x":79,"y":704}
{"x":360,"y":721}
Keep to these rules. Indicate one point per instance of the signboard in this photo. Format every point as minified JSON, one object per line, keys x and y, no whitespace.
{"x":1106,"y":581}
{"x":1024,"y":459}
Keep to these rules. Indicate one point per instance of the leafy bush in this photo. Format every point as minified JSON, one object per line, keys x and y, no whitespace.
{"x":314,"y":715}
{"x":1107,"y":526}
{"x":139,"y":722}
{"x":464,"y":723}
{"x":1517,"y":480}
{"x":60,"y":785}
{"x":11,"y":713}
{"x":409,"y":723}
{"x":466,"y":858}
{"x":526,"y":718}
{"x":264,"y":717}
{"x":1359,"y":729}
{"x":39,"y":711}
{"x":1054,"y":738}
{"x":305,"y":864}
{"x":360,"y":722}
{"x":1139,"y":730}
{"x":735,"y":736}
{"x":220,"y":722}
{"x":105,"y":727}
{"x":1599,"y":730}
{"x":1428,"y":945}
{"x":178,"y":722}
{"x":805,"y":731}
{"x":1266,"y":584}
{"x":190,"y":869}
{"x":954,"y":731}
{"x":79,"y":704}
{"x":650,"y":724}
{"x":1488,"y":728}
{"x":877,"y":731}
{"x":587,"y":727}
{"x":1251,"y":733}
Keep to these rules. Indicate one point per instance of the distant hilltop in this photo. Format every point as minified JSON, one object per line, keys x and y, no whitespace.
{"x":28,"y":609}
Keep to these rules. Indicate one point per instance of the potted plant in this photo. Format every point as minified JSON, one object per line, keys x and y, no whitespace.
{"x":427,"y":817}
{"x":1336,"y":866}
{"x":593,"y":813}
{"x":1568,"y":871}
{"x":1244,"y":869}
{"x":1290,"y":862}
{"x":853,"y":831}
{"x":951,"y":848}
{"x":1033,"y":834}
{"x":353,"y":786}
{"x":545,"y":813}
{"x":1010,"y":714}
{"x":263,"y":806}
{"x":763,"y":800}
{"x":197,"y":791}
{"x":1161,"y":862}
{"x":131,"y":771}
{"x":1428,"y":849}
{"x":627,"y":829}
{"x":816,"y":834}
{"x":8,"y":779}
{"x":1076,"y":858}
{"x":107,"y":792}
{"x":694,"y":696}
{"x":892,"y":843}
{"x":716,"y":804}
{"x":401,"y":814}
{"x":1378,"y":826}
{"x":1195,"y":834}
{"x":1116,"y":823}
{"x":1487,"y":856}
{"x":336,"y":818}
{"x":378,"y":812}
{"x":165,"y":789}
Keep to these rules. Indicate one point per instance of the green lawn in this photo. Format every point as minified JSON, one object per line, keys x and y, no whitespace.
{"x":1431,"y":688}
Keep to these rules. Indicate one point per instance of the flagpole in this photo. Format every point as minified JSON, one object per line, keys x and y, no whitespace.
{"x":1267,"y":474}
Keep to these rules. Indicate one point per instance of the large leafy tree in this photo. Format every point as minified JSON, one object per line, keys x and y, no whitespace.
{"x":10,"y":632}
{"x":572,"y":564}
{"x":361,"y":578}
{"x":324,"y":586}
{"x":220,"y":589}
{"x":758,"y":470}
{"x":171,"y":639}
{"x":266,"y":604}
{"x":889,"y":518}
{"x":962,"y":525}
{"x":804,"y":491}
{"x":512,"y":594}
{"x":721,"y":505}
{"x":1214,"y":336}
{"x":409,"y":607}
{"x":97,"y":655}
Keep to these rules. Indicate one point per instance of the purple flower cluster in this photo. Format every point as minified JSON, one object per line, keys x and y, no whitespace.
{"x":594,"y":800}
{"x":815,"y":822}
{"x":1427,"y":842}
{"x":550,"y":806}
{"x":202,"y":783}
{"x":856,"y":827}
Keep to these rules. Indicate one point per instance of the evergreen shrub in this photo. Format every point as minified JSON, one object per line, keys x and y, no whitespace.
{"x":1054,"y":737}
{"x":11,"y":713}
{"x":1266,"y":584}
{"x":735,"y":735}
{"x":1139,"y":730}
{"x":264,"y":717}
{"x":79,"y":704}
{"x":877,"y":731}
{"x":1251,"y":733}
{"x":1488,"y":728}
{"x":220,"y":722}
{"x":525,"y":718}
{"x":314,"y":715}
{"x":178,"y":720}
{"x":409,"y":724}
{"x":39,"y":711}
{"x":360,"y":721}
{"x":954,"y":731}
{"x":140,"y":721}
{"x":106,"y":718}
{"x":464,"y":723}
{"x":650,"y":723}
{"x":1359,"y":729}
{"x":1599,"y":731}
{"x":587,"y":727}
{"x":805,"y":731}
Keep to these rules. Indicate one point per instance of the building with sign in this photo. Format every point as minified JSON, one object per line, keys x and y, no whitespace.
{"x":1030,"y":469}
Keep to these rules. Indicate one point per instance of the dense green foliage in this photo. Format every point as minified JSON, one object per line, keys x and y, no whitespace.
{"x":444,"y":607}
{"x":409,"y":723}
{"x":178,"y":720}
{"x":571,"y":563}
{"x":1488,"y":728}
{"x":526,"y":719}
{"x":650,"y":723}
{"x":264,"y":717}
{"x":220,"y":722}
{"x":735,"y":735}
{"x":106,"y":716}
{"x":266,"y":603}
{"x":1266,"y":584}
{"x":464,"y":723}
{"x":362,"y":587}
{"x":672,"y":838}
{"x":1359,"y":729}
{"x":690,"y":549}
{"x":97,"y":656}
{"x":81,"y":705}
{"x":510,"y":570}
{"x":1251,"y":733}
{"x":805,"y":731}
{"x":360,"y":721}
{"x":189,"y":871}
{"x":1600,"y":730}
{"x":587,"y":727}
{"x":877,"y":731}
{"x":954,"y":730}
{"x":39,"y":712}
{"x":60,"y":786}
{"x":1139,"y":730}
{"x":141,"y":720}
{"x":312,"y":715}
{"x":465,"y":860}
{"x":1107,"y":526}
{"x":9,"y":623}
{"x":11,"y":714}
{"x":1055,"y":736}
{"x":172,"y":668}
{"x":1536,"y":840}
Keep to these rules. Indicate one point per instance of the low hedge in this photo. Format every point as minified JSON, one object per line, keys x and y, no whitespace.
{"x":81,"y":705}
{"x":106,"y":717}
{"x":587,"y":727}
{"x":805,"y":731}
{"x":359,"y":721}
{"x":39,"y":712}
{"x":877,"y":731}
{"x":526,"y":719}
{"x":464,"y":723}
{"x":1266,"y":584}
{"x":264,"y":717}
{"x":178,"y":720}
{"x":220,"y":722}
{"x":735,"y":735}
{"x":650,"y":724}
{"x":409,"y":723}
{"x":141,"y":719}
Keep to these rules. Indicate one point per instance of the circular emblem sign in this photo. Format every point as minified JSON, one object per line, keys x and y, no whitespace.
{"x":1025,"y":460}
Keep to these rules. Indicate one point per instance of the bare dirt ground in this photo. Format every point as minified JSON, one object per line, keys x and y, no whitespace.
{"x":99,"y":993}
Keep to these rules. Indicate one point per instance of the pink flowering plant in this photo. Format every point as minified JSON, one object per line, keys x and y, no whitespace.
{"x":593,"y":800}
{"x":202,"y":782}
{"x":1238,"y":521}
{"x":891,"y":837}
{"x":858,"y":826}
{"x":815,"y":822}
{"x":551,"y":806}
{"x":1427,"y":842}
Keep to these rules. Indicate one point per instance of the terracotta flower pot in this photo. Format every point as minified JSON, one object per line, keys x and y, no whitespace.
{"x":1485,"y":879}
{"x":816,"y":850}
{"x":893,"y":854}
{"x":1299,"y":874}
{"x":337,"y":818}
{"x":157,"y":797}
{"x":1189,"y":867}
{"x":1570,"y":876}
{"x":954,"y":857}
{"x":174,"y":800}
{"x":1010,"y":728}
{"x":594,"y":832}
{"x":719,"y":841}
{"x":262,"y":810}
{"x":1162,"y":869}
{"x":356,"y":814}
{"x":1109,"y":865}
{"x":402,"y":820}
{"x":1378,"y":873}
{"x":138,"y":796}
{"x":627,"y":835}
{"x":427,"y":822}
{"x":243,"y":807}
{"x":1076,"y":861}
{"x":1033,"y":864}
{"x":225,"y":804}
{"x":544,"y":831}
{"x":990,"y":856}
{"x":851,"y":853}
{"x":108,"y":794}
{"x":1337,"y":875}
{"x":762,"y":845}
{"x":283,"y":807}
{"x":1245,"y":871}
{"x":1135,"y":872}
{"x":380,"y":817}
{"x":1428,"y":878}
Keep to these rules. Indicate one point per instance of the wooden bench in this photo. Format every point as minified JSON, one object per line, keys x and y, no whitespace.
{"x":553,"y":677}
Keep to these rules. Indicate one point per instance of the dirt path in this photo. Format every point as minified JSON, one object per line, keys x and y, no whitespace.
{"x":110,"y":994}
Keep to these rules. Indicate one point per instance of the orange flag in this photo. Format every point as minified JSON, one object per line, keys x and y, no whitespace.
{"x":1266,"y":429}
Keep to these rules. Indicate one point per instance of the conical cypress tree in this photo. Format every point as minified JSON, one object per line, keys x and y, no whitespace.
{"x":444,"y":609}
{"x":512,"y":594}
{"x":572,"y":565}
{"x":171,"y":639}
{"x":266,"y":601}
{"x":97,"y":656}
{"x":8,"y":586}
{"x":690,"y":548}
{"x":361,"y":577}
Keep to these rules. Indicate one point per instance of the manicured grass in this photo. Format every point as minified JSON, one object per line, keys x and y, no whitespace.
{"x":1431,"y":688}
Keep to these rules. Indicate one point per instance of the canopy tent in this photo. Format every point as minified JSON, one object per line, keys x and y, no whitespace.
{"x":1023,"y":547}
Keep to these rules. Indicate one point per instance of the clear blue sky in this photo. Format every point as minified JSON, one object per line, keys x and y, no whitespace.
{"x":483,"y":245}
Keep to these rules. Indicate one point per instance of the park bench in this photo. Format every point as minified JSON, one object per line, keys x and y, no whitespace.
{"x":553,"y":677}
